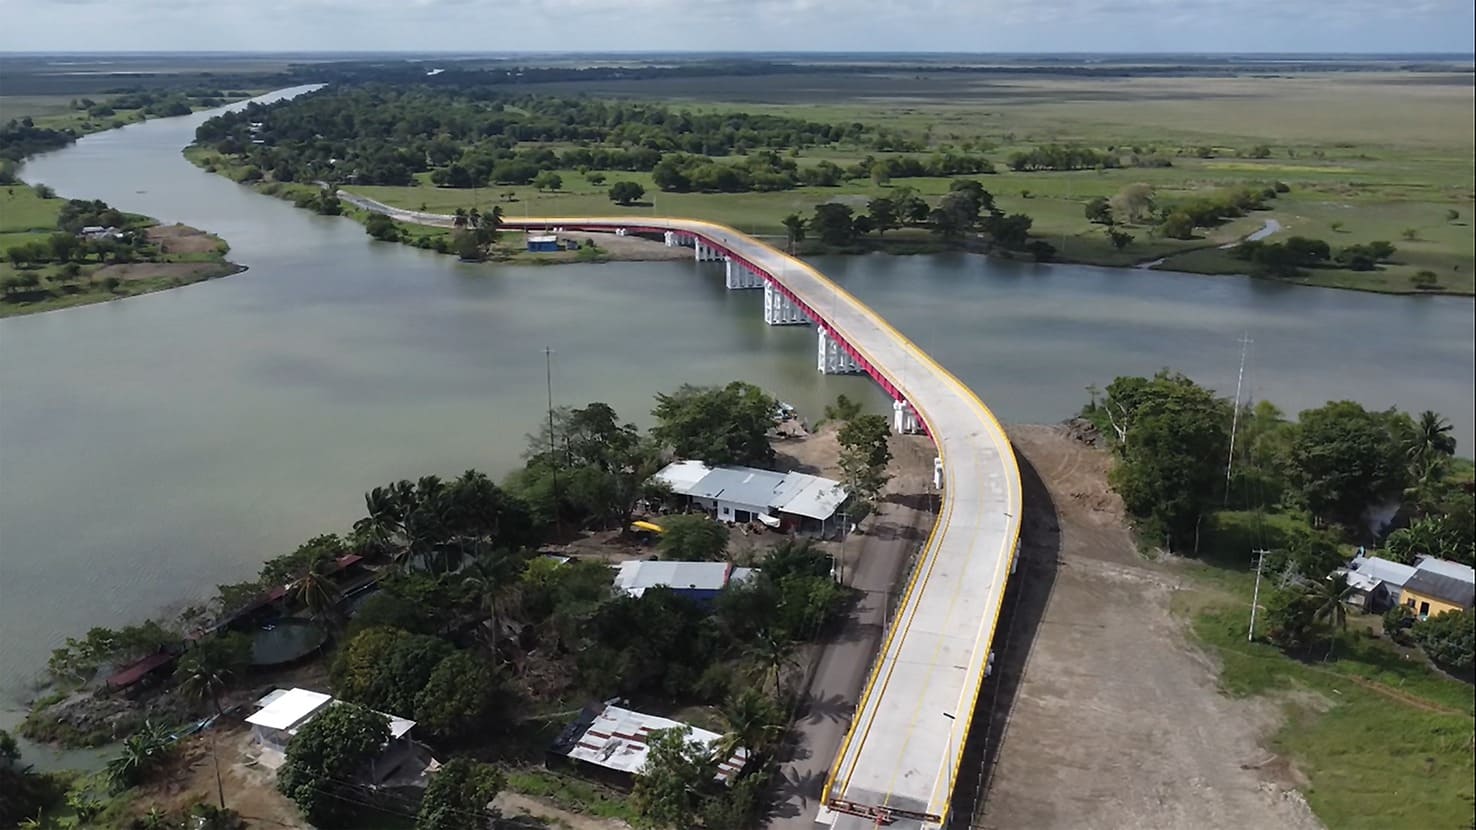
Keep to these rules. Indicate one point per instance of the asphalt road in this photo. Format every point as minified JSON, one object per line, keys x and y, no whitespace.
{"x":875,"y":562}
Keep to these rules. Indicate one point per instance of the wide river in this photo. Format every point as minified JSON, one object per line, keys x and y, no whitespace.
{"x":155,"y":447}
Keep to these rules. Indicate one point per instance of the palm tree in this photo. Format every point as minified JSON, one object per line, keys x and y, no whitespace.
{"x":772,"y":656}
{"x":141,"y":752}
{"x":1328,"y":594}
{"x":204,"y":673}
{"x":493,"y":579}
{"x":317,"y":591}
{"x":459,"y":218}
{"x":473,"y":218}
{"x":795,"y":226}
{"x":1431,"y":437}
{"x":753,"y":724}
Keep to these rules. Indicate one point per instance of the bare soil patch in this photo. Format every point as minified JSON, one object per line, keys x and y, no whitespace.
{"x":1104,"y":714}
{"x":630,"y":248}
{"x":183,"y":239}
{"x":514,"y":805}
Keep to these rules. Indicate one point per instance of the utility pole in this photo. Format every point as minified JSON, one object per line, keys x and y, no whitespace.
{"x":1245,"y":342}
{"x":553,"y":461}
{"x":1256,"y":594}
{"x":219,"y":786}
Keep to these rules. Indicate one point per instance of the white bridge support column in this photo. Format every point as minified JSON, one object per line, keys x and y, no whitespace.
{"x":779,"y":311}
{"x":831,"y":358}
{"x":904,"y":419}
{"x":740,"y":276}
{"x":937,"y":472}
{"x":671,"y":240}
{"x":706,"y":253}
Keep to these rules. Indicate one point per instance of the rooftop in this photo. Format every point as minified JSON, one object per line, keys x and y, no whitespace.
{"x":286,"y":709}
{"x":1366,"y":572}
{"x":1452,"y":590}
{"x":635,"y":576}
{"x":1445,"y":567}
{"x":762,"y":490}
{"x":615,"y":738}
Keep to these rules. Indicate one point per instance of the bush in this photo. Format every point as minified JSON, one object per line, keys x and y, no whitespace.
{"x":1448,"y":640}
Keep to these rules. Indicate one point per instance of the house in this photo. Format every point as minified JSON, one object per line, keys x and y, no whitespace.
{"x":1374,"y":584}
{"x":608,"y":742}
{"x":790,"y":502}
{"x":698,"y":581}
{"x":283,"y":713}
{"x":1438,"y":586}
{"x":546,"y":244}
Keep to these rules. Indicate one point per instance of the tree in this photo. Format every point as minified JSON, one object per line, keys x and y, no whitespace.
{"x":833,"y":223}
{"x":624,"y":193}
{"x":771,"y":655}
{"x":468,"y":247}
{"x":668,"y":792}
{"x":492,"y":579}
{"x":754,"y":723}
{"x":1327,"y":596}
{"x":1431,"y":437}
{"x":1178,"y":225}
{"x":318,"y":592}
{"x":1290,"y":618}
{"x":718,"y":425}
{"x":212,"y":665}
{"x":385,"y":668}
{"x":1133,"y":203}
{"x":883,"y":214}
{"x":460,"y":699}
{"x":1344,"y":458}
{"x":459,"y":795}
{"x":324,"y":758}
{"x":692,"y":536}
{"x":382,"y":228}
{"x":795,"y":227}
{"x":1448,"y":639}
{"x":864,"y":455}
{"x":598,"y":179}
{"x":548,"y":180}
{"x":1119,"y":239}
{"x":1165,"y":429}
{"x":1098,"y":211}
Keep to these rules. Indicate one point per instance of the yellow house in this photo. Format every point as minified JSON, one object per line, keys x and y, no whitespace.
{"x":1430,"y":594}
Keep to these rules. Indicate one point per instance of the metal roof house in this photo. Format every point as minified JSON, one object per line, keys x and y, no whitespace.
{"x":1438,"y":586}
{"x":698,"y":581}
{"x":609,"y":743}
{"x":281,"y":714}
{"x":786,"y":501}
{"x":1374,"y":584}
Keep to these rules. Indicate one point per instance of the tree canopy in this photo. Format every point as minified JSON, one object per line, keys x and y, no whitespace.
{"x":718,"y":425}
{"x":324,"y":758}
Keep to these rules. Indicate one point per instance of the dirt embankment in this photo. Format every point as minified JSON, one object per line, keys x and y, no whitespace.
{"x":1104,"y":712}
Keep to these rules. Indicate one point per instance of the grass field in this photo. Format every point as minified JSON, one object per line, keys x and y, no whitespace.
{"x":25,"y":217}
{"x":1380,"y":152}
{"x":1379,"y":736}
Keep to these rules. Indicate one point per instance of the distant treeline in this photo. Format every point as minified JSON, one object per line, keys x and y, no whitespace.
{"x":478,"y":136}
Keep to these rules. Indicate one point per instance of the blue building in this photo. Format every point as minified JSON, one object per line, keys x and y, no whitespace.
{"x":700,"y":582}
{"x":543,"y":244}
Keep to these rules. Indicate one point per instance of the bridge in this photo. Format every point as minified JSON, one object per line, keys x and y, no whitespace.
{"x":899,"y":760}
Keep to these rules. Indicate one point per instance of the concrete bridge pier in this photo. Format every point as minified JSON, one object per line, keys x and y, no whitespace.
{"x":832,"y":358}
{"x":740,"y":276}
{"x":706,"y":253}
{"x":904,"y":419}
{"x":780,"y":311}
{"x":670,"y":239}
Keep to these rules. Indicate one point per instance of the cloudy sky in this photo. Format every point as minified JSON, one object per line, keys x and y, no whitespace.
{"x":741,"y":25}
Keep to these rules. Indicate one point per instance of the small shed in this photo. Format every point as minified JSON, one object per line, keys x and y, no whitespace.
{"x":543,"y":244}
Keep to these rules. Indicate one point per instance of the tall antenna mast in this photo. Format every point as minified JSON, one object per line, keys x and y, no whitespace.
{"x":1245,"y":342}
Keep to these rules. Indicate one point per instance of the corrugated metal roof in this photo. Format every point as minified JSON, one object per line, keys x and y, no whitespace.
{"x":1440,"y":586}
{"x":617,"y":740}
{"x":636,"y":576}
{"x":1445,"y":567}
{"x":1375,"y":570}
{"x":287,"y":710}
{"x":758,"y":490}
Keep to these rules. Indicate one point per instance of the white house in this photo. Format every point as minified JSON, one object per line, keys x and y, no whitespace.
{"x":283,"y":713}
{"x":1374,"y":584}
{"x":786,"y":501}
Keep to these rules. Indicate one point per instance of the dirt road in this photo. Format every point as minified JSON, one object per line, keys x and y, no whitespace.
{"x":1103,"y":714}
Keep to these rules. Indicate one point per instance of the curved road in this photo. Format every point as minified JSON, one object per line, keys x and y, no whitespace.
{"x":900,"y":756}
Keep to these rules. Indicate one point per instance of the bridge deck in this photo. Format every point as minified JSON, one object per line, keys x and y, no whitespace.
{"x":902,"y":749}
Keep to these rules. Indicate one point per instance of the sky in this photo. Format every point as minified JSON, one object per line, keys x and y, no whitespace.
{"x":740,"y":25}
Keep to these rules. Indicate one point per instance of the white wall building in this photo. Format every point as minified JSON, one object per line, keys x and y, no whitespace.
{"x":283,"y":713}
{"x":786,"y":501}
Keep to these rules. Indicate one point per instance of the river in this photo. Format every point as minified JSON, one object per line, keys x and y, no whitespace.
{"x":154,"y":447}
